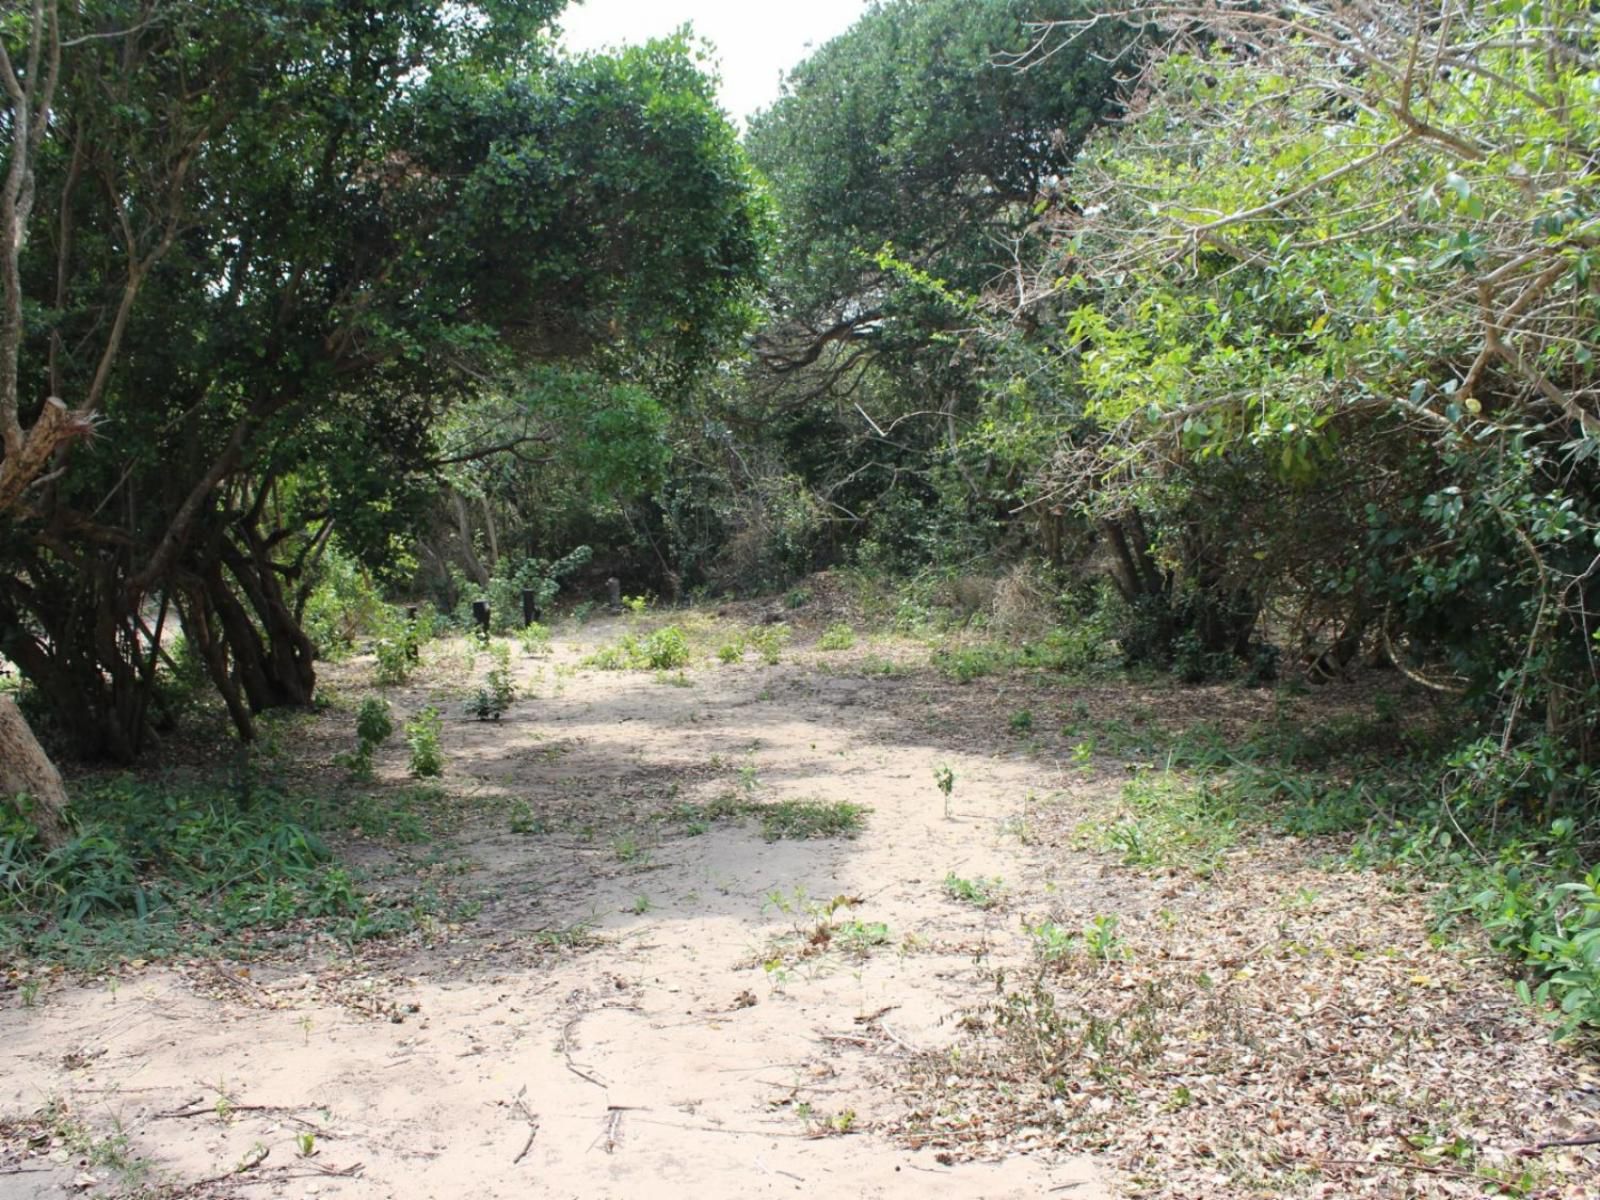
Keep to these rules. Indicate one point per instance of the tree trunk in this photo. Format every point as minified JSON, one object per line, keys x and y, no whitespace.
{"x":25,"y":770}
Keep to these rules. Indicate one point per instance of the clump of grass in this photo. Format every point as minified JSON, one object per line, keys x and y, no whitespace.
{"x":535,"y":639}
{"x":1174,"y":824}
{"x":1099,"y":940}
{"x":667,"y":649}
{"x":769,"y":641}
{"x":158,"y":867}
{"x":803,"y":819}
{"x":837,"y":636}
{"x":523,"y":820}
{"x":979,"y":892}
{"x":1067,"y":650}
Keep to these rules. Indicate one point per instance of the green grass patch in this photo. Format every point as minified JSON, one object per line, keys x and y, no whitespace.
{"x":1068,"y":650}
{"x":837,"y":636}
{"x":159,"y":867}
{"x":1173,"y":823}
{"x":979,"y":892}
{"x":799,"y":820}
{"x":666,"y":649}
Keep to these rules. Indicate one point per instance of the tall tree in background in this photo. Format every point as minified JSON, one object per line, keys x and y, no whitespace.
{"x":910,"y":166}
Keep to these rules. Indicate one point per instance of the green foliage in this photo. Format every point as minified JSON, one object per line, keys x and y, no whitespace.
{"x":373,"y":728}
{"x":803,"y":819}
{"x":664,"y":649}
{"x":838,"y":636}
{"x":1100,"y":940}
{"x":903,"y":131}
{"x":361,"y":249}
{"x":1082,"y":648}
{"x":422,"y":740}
{"x":1308,"y":372}
{"x":342,"y":605}
{"x":373,"y":724}
{"x":524,"y":821}
{"x":857,"y":937}
{"x":979,"y":892}
{"x":156,"y":866}
{"x":1174,"y":823}
{"x":499,"y":691}
{"x":535,"y":639}
{"x":768,"y":641}
{"x":945,"y":779}
{"x":513,"y":575}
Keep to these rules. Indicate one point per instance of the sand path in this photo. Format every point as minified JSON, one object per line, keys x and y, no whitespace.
{"x":704,"y":1047}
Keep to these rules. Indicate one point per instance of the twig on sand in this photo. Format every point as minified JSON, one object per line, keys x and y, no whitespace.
{"x":1591,"y":1140}
{"x":533,"y":1124}
{"x":310,"y":1170}
{"x":220,"y":1110}
{"x":766,"y":1170}
{"x":567,"y":1054}
{"x":1396,"y":1164}
{"x":872,"y":1017}
{"x":612,"y":1137}
{"x":897,"y":1039}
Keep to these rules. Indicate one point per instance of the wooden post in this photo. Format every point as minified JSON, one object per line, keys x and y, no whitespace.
{"x":614,"y":594}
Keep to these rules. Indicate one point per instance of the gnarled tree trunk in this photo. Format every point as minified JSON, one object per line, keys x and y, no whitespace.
{"x":25,"y":770}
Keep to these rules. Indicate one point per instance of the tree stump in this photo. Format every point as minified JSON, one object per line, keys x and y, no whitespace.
{"x":25,"y":770}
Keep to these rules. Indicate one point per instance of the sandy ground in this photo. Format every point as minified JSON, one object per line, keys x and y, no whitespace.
{"x":699,"y":1046}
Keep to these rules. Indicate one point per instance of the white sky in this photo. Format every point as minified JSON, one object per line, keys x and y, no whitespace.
{"x":755,"y":40}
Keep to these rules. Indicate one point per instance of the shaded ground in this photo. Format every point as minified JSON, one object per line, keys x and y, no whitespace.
{"x":632,"y":992}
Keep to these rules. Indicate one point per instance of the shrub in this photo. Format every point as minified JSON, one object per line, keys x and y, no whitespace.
{"x":837,"y":636}
{"x":769,"y":642}
{"x":535,"y":639}
{"x":373,"y":728}
{"x":343,"y":605}
{"x":422,"y":739}
{"x":666,"y":649}
{"x":373,"y":725}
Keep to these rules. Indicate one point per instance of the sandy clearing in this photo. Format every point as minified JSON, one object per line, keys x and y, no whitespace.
{"x":666,"y":1061}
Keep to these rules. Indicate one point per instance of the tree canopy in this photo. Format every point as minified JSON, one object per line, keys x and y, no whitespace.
{"x":270,"y":246}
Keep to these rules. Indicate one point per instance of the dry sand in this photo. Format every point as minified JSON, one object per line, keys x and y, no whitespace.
{"x":669,"y":1059}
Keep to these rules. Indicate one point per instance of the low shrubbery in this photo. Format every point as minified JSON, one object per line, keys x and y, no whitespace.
{"x":154,"y":866}
{"x":666,"y":649}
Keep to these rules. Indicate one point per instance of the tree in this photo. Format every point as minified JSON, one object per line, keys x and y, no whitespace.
{"x":331,"y":248}
{"x":1351,"y":259}
{"x":911,"y":168}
